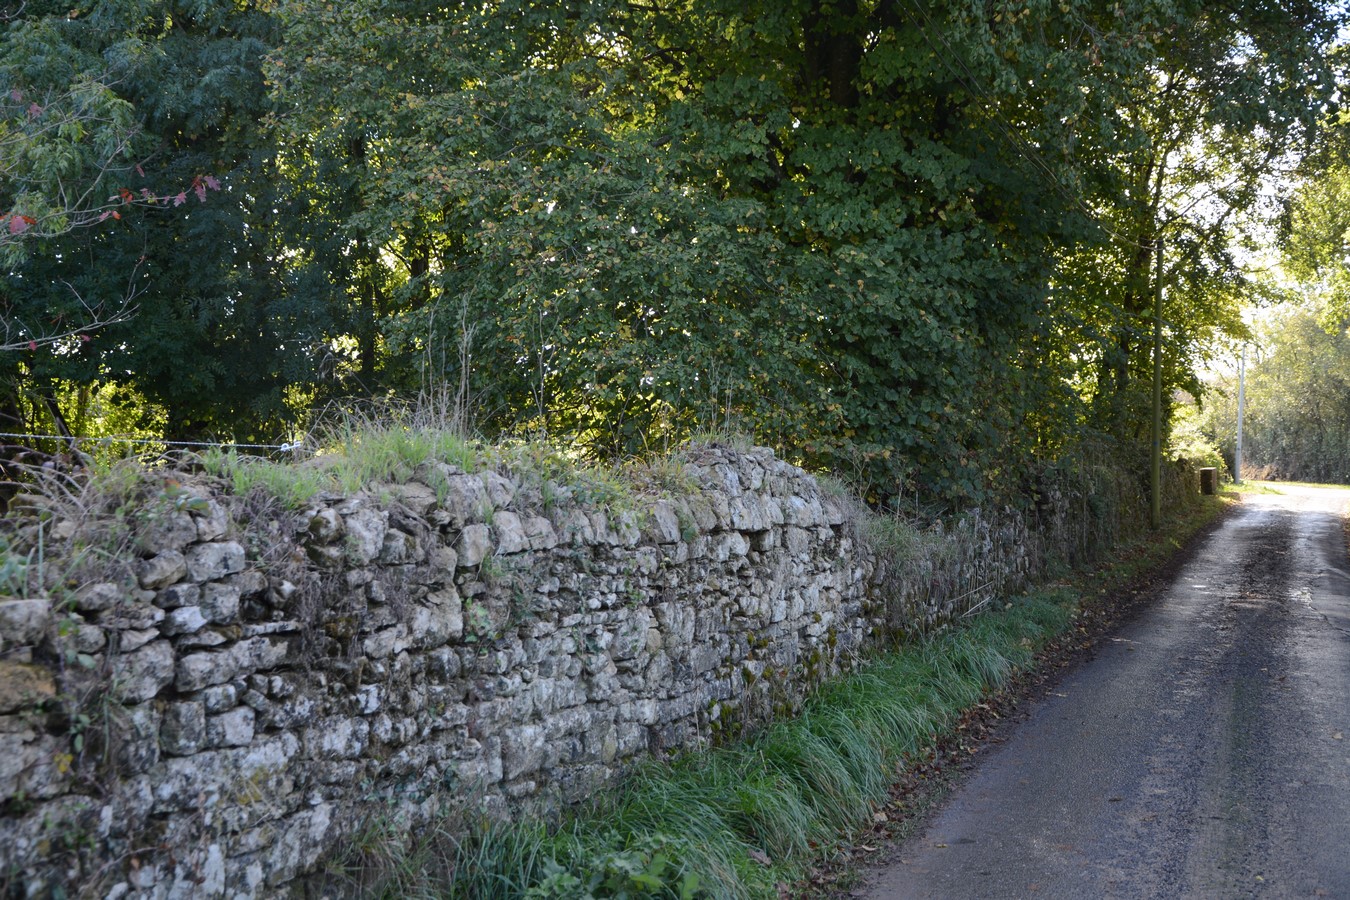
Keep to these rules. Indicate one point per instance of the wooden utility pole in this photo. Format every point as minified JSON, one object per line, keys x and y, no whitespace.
{"x":1155,"y":495}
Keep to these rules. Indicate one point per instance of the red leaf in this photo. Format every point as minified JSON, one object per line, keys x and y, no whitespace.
{"x":199,"y":189}
{"x":212,"y":183}
{"x":140,"y":171}
{"x":116,"y":214}
{"x":126,"y":195}
{"x":19,"y":224}
{"x":32,"y":345}
{"x":180,"y":199}
{"x":84,"y":338}
{"x":16,"y":95}
{"x":34,"y":110}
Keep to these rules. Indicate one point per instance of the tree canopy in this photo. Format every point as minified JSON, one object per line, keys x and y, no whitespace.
{"x":910,"y":241}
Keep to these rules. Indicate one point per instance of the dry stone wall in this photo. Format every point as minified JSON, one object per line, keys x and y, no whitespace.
{"x":222,"y":721}
{"x":243,"y":690}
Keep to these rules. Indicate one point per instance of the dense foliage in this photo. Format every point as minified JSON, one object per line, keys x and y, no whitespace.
{"x":908,"y":240}
{"x":1296,"y":422}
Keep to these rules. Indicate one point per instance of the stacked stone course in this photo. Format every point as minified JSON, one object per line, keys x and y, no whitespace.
{"x":243,"y":692}
{"x":255,"y":696}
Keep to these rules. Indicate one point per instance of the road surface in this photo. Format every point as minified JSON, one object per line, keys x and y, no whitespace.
{"x":1203,"y":752}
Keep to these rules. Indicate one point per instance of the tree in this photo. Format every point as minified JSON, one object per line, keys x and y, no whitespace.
{"x":1232,"y":94}
{"x":1297,"y":418}
{"x":185,"y":82}
{"x":816,"y":218}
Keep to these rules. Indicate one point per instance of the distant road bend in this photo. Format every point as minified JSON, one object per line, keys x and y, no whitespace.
{"x":1204,"y":751}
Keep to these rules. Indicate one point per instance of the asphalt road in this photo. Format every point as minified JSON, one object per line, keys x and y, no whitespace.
{"x":1203,"y":752}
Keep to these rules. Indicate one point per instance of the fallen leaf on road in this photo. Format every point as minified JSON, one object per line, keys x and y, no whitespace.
{"x":1338,"y":736}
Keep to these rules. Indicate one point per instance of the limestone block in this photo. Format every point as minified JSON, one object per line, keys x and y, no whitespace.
{"x":465,"y":499}
{"x":474,"y":545}
{"x":764,"y":541}
{"x":539,"y":531}
{"x":663,"y":524}
{"x":231,"y":729}
{"x":833,"y":511}
{"x":212,"y":521}
{"x":24,"y":621}
{"x":749,"y":513}
{"x":366,"y":528}
{"x":182,"y":729}
{"x":729,"y":544}
{"x":574,"y":526}
{"x":337,"y":738}
{"x":209,"y":562}
{"x":437,"y":624}
{"x":626,"y":532}
{"x":132,"y":616}
{"x":134,"y":638}
{"x":368,"y":699}
{"x":88,"y":638}
{"x":199,"y":670}
{"x":166,"y":530}
{"x":220,"y":603}
{"x":399,"y":547}
{"x":630,"y":638}
{"x":184,"y":620}
{"x":161,"y":570}
{"x":220,"y":698}
{"x":417,"y":497}
{"x":326,"y":556}
{"x":509,"y":533}
{"x":176,"y":595}
{"x":500,"y":489}
{"x":386,"y":642}
{"x":701,"y":510}
{"x":325,"y":526}
{"x":523,"y":751}
{"x":442,"y":559}
{"x":137,"y":750}
{"x":28,"y":760}
{"x":141,"y":675}
{"x":248,"y":583}
{"x":94,"y":598}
